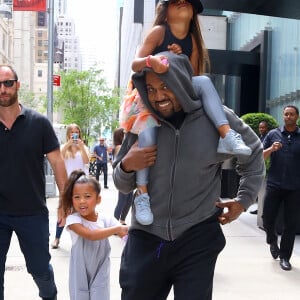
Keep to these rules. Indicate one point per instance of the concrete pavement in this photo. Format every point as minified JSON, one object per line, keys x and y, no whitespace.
{"x":244,"y":271}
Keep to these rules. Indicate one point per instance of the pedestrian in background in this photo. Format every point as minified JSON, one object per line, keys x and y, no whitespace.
{"x":89,"y":272}
{"x":180,"y":248}
{"x":282,"y":145}
{"x":124,"y":200}
{"x":263,"y":129}
{"x":100,"y":152}
{"x":76,"y":157}
{"x":25,"y":137}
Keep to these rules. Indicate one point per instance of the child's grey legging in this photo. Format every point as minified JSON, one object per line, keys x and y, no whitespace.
{"x":213,"y":108}
{"x":211,"y":101}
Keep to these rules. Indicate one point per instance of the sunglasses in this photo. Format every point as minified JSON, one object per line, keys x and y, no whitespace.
{"x":8,"y":83}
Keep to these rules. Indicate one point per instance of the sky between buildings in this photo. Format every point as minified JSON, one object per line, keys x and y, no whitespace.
{"x":96,"y":24}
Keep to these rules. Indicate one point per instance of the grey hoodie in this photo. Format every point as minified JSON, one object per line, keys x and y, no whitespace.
{"x":185,"y":181}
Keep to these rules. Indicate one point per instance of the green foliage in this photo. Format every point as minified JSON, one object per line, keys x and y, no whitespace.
{"x":84,"y":99}
{"x":27,"y":98}
{"x":253,"y":120}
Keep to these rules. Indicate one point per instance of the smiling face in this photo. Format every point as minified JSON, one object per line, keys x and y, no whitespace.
{"x":85,"y":200}
{"x":160,"y":96}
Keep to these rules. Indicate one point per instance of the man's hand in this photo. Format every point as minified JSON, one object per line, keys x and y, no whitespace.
{"x":234,"y":209}
{"x":139,"y":158}
{"x":276,"y":146}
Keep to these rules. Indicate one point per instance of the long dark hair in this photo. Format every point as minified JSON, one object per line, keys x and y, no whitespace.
{"x":160,"y":19}
{"x":118,"y":136}
{"x":76,"y":177}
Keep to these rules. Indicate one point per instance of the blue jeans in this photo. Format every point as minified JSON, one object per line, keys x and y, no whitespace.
{"x":123,"y":205}
{"x":58,"y":231}
{"x":101,"y":167}
{"x":33,"y":235}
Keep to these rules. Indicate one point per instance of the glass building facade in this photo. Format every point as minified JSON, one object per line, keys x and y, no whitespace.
{"x":284,"y":63}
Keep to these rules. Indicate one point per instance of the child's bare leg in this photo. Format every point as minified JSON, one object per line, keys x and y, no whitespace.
{"x":142,"y":189}
{"x":230,"y":142}
{"x":223,"y":130}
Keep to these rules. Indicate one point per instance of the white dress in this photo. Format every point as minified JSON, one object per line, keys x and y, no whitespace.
{"x":89,"y":271}
{"x":76,"y":163}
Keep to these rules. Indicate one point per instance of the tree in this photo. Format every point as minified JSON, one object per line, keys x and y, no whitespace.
{"x":109,"y":108}
{"x":28,"y":99}
{"x":84,"y":99}
{"x":253,"y":120}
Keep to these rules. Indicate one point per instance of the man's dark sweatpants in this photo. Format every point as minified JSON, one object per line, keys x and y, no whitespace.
{"x":151,"y":266}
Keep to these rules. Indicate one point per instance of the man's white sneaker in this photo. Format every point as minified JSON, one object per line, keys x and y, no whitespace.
{"x":143,"y":212}
{"x":233,"y":143}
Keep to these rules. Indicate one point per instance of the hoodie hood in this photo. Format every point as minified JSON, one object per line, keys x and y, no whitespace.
{"x":178,"y":79}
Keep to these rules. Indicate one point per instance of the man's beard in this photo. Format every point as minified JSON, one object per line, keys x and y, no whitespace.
{"x":12,"y":100}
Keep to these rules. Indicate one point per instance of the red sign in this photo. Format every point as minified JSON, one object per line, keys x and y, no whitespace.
{"x":29,"y":5}
{"x":56,"y":80}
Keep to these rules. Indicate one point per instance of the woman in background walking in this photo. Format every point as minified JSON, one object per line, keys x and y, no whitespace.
{"x":76,"y":157}
{"x":124,"y":200}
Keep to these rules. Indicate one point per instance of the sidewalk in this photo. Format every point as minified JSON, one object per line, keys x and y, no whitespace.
{"x":244,"y":271}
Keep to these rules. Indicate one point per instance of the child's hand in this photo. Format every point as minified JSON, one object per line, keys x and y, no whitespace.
{"x":123,"y":230}
{"x":159,"y":64}
{"x":175,"y":48}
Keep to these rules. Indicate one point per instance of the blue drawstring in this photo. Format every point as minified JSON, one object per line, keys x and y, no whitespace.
{"x":159,"y":249}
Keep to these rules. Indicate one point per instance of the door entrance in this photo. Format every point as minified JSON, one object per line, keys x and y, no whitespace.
{"x":241,"y":76}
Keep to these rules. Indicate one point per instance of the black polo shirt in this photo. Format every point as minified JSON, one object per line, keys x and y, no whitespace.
{"x":284,"y":172}
{"x":22,"y":150}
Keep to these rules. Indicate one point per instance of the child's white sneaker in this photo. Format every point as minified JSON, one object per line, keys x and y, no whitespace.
{"x":233,"y":143}
{"x":143,"y":212}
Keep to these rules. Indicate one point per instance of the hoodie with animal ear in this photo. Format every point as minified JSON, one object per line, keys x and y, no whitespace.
{"x":185,"y":181}
{"x":178,"y":79}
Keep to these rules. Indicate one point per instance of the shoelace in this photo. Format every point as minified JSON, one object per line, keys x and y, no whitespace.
{"x":142,"y":205}
{"x":238,"y":138}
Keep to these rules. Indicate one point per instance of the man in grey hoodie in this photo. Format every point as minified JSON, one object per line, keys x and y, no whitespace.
{"x":181,"y":246}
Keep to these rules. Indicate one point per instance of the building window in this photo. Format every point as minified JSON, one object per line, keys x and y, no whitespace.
{"x":138,"y":12}
{"x":40,"y":73}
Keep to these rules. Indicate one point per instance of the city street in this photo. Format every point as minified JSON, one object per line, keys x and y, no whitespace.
{"x":244,"y":271}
